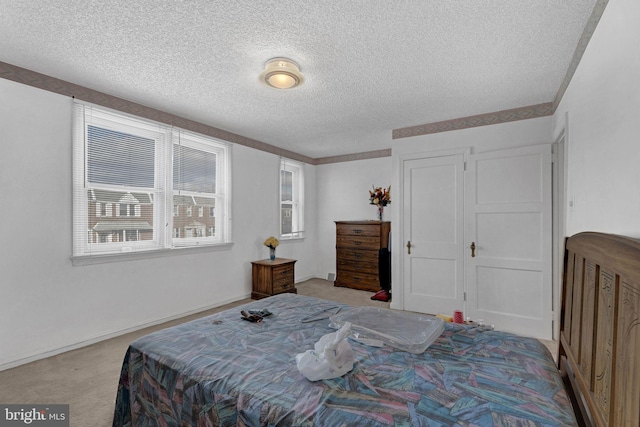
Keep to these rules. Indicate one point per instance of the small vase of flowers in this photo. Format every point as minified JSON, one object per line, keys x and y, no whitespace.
{"x":272,"y":243}
{"x":380,"y":197}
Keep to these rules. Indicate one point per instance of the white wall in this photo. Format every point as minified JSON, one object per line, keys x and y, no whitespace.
{"x":47,"y":305}
{"x":602,"y":107}
{"x":343,"y":195}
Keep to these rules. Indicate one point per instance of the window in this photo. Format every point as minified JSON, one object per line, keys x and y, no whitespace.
{"x":199,"y":184}
{"x":291,"y":199}
{"x":129,"y":209}
{"x":103,"y":209}
{"x":137,"y":182}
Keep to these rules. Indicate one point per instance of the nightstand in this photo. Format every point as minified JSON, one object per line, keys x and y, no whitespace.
{"x":272,"y":277}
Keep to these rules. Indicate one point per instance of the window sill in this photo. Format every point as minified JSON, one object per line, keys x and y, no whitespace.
{"x":291,"y":239}
{"x":157,"y":253}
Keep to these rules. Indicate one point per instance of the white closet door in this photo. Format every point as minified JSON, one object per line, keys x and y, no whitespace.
{"x":433,"y":227}
{"x":509,"y":221}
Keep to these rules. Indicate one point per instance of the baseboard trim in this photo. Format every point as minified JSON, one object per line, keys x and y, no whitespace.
{"x":59,"y":350}
{"x":304,"y":279}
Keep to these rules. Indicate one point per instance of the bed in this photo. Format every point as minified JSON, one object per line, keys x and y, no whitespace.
{"x":599,"y":348}
{"x":221,"y":370}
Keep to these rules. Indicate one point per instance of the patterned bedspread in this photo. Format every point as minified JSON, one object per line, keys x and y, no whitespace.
{"x":223,"y":371}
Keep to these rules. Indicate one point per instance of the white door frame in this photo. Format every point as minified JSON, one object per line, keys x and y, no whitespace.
{"x":559,"y":182}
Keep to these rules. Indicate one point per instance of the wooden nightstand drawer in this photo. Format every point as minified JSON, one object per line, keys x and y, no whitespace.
{"x":281,"y":287}
{"x":282,"y":278}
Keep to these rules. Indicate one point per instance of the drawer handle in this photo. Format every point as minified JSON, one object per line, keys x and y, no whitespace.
{"x":284,"y":273}
{"x":285,"y":285}
{"x":357,"y":243}
{"x":357,"y":256}
{"x":357,"y":279}
{"x":357,"y":231}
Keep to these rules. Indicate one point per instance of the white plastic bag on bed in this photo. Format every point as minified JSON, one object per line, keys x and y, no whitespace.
{"x":331,"y":358}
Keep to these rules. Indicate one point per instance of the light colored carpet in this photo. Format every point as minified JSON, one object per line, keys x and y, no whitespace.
{"x":87,"y":378}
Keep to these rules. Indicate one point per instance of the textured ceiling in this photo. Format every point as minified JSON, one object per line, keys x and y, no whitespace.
{"x":370,"y":66}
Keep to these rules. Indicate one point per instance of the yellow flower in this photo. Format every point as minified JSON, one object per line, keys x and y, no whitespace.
{"x":271,"y":242}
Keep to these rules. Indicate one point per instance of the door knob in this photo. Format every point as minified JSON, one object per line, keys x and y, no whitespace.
{"x":409,"y":247}
{"x":473,"y":249}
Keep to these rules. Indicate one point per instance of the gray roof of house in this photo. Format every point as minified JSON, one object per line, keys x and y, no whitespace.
{"x":107,"y":196}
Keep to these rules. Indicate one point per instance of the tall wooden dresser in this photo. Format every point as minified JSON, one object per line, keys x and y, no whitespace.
{"x":358,"y":244}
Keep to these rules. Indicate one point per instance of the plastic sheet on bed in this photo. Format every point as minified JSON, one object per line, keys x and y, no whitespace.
{"x":407,"y":331}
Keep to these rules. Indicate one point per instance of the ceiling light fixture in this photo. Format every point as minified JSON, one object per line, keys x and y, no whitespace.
{"x":282,"y":73}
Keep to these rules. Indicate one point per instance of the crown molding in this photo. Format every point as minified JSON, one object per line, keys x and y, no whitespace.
{"x":351,"y":157}
{"x":504,"y":116}
{"x":62,"y":87}
{"x":587,"y":33}
{"x":522,"y":113}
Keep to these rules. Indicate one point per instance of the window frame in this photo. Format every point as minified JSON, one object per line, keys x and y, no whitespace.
{"x":199,"y":142}
{"x":297,"y":187}
{"x":161,"y":195}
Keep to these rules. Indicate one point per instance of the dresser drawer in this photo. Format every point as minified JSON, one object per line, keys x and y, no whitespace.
{"x":350,"y":254}
{"x":358,"y":242}
{"x":357,"y":265}
{"x":357,"y":230}
{"x":363,"y":281}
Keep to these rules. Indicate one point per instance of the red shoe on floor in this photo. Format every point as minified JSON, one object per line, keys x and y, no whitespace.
{"x":382,"y":295}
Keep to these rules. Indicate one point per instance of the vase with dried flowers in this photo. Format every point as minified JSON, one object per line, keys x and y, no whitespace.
{"x":272,"y":243}
{"x":380,"y":197}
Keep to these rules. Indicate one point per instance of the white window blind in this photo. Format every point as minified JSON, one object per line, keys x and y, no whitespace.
{"x":197,"y":174}
{"x":131,"y":176}
{"x":291,"y":199}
